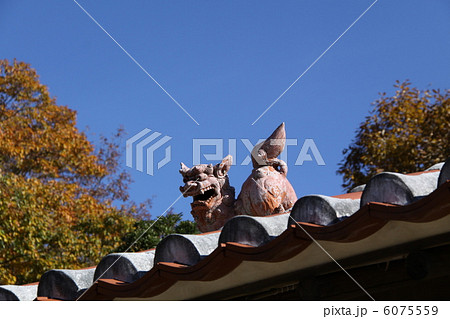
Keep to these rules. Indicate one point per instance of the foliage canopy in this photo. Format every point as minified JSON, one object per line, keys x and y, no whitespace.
{"x":63,"y":204}
{"x":405,"y":133}
{"x":148,"y":233}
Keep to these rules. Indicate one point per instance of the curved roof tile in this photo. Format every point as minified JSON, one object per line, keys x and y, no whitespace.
{"x":322,"y":210}
{"x":186,"y":249}
{"x":127,"y":267}
{"x":399,"y":189}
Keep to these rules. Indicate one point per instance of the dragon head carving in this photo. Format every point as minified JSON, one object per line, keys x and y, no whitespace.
{"x":213,"y":197}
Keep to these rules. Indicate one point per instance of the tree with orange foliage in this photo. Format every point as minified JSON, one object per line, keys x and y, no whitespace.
{"x":63,"y":204}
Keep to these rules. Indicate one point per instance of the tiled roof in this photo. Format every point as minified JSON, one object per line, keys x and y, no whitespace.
{"x":392,"y":209}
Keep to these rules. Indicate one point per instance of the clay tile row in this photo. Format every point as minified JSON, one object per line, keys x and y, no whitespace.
{"x":189,"y":250}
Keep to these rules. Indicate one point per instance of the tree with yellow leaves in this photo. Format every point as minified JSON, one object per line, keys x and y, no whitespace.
{"x":63,"y":204}
{"x":405,"y":133}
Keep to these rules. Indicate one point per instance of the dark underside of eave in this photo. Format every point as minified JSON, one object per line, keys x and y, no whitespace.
{"x":413,"y":271}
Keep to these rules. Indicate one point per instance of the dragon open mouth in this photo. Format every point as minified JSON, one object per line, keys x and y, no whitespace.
{"x":205,"y":196}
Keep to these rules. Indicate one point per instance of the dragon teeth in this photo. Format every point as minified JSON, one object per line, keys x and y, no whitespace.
{"x":206,"y":189}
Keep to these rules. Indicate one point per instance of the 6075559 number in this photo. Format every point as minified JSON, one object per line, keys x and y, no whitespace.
{"x":411,"y":310}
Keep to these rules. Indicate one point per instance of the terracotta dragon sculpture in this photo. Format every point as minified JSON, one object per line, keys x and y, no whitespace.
{"x":265,"y":192}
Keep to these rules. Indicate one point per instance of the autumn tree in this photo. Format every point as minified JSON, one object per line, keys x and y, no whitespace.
{"x":63,"y":203}
{"x":405,"y":133}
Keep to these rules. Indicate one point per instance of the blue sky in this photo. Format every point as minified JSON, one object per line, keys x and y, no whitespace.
{"x":225,"y":62}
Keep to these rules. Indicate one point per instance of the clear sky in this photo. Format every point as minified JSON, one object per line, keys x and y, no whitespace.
{"x":225,"y":62}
